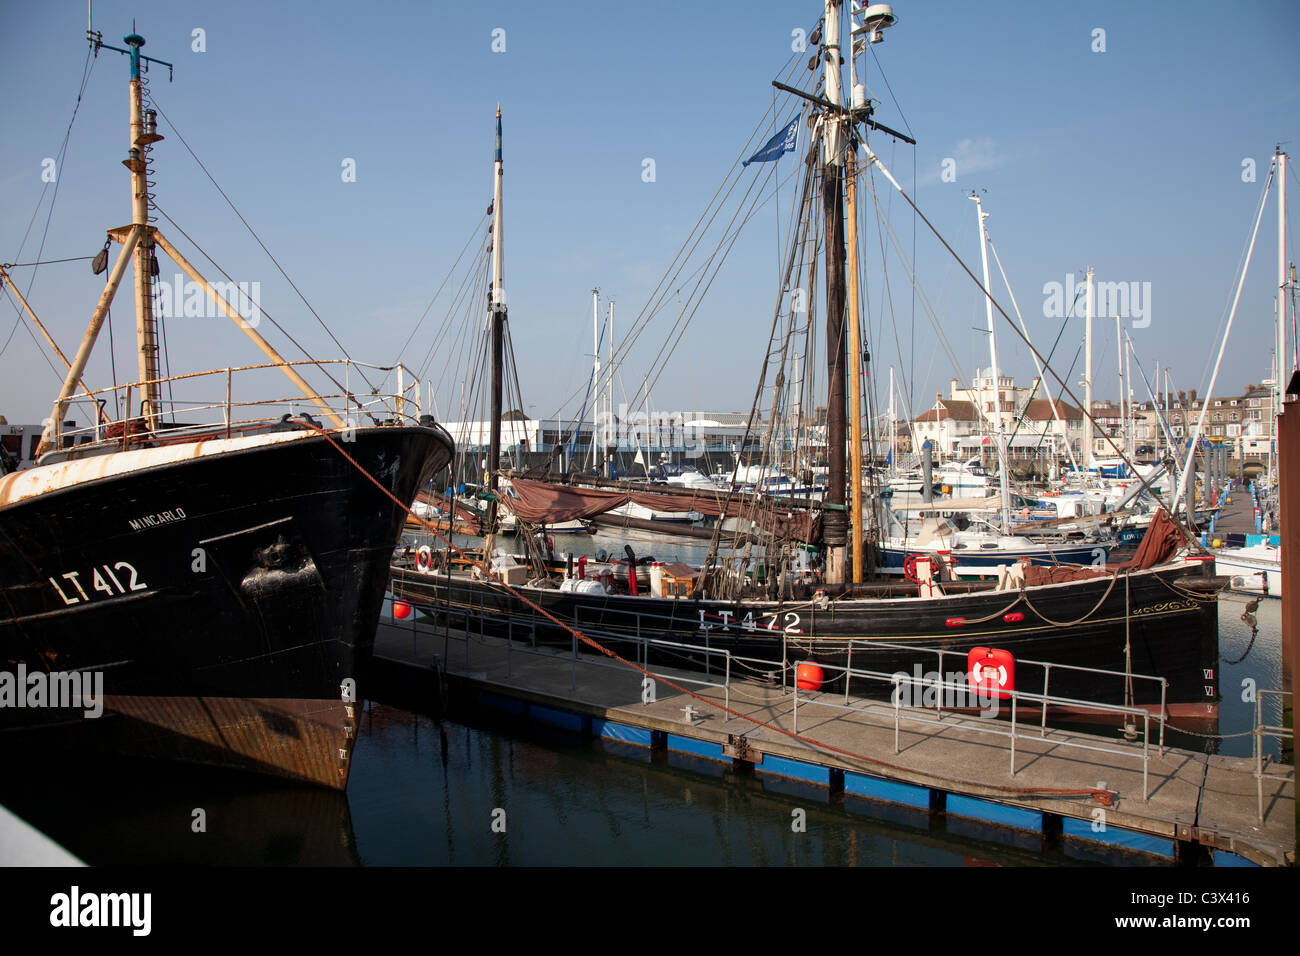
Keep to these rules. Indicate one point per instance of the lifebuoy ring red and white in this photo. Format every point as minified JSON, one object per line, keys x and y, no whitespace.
{"x":982,"y":672}
{"x":424,"y":558}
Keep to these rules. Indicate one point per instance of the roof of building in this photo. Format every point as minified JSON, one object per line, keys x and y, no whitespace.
{"x":1040,"y":410}
{"x":954,"y":409}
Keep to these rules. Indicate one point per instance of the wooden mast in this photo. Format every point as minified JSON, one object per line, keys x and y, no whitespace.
{"x":855,"y":359}
{"x":835,"y":533}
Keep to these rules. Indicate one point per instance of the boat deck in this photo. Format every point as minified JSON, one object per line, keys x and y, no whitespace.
{"x":1194,"y":803}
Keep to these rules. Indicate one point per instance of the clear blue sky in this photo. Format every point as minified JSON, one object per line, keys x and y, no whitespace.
{"x":1128,"y":160}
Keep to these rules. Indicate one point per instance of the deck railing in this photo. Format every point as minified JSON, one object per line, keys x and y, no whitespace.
{"x":224,"y":405}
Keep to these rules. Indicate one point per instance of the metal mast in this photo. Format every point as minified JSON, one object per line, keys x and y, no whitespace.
{"x":998,"y":437}
{"x":1087,"y":378}
{"x":1119,"y":366}
{"x":1281,"y":290}
{"x":595,"y":374}
{"x":497,"y":319}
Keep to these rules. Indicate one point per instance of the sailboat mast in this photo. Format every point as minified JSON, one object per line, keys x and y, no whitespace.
{"x":1130,"y":423}
{"x":497,"y":317}
{"x":856,"y":94}
{"x":855,"y":358}
{"x":998,"y":437}
{"x":1119,"y":367}
{"x":595,"y":373}
{"x":609,"y":387}
{"x":143,"y":135}
{"x":1087,"y":377}
{"x":835,"y":525}
{"x":1281,"y":286}
{"x":893,"y":426}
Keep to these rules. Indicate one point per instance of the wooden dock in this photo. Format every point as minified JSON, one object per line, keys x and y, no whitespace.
{"x":1194,"y":805}
{"x":1236,"y":513}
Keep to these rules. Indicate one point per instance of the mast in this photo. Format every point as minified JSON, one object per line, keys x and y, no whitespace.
{"x":1087,"y":378}
{"x":1119,"y":367}
{"x":998,"y":437}
{"x":609,"y":388}
{"x":1156,"y":400}
{"x":595,"y":373}
{"x":143,"y":135}
{"x":835,"y":522}
{"x":1130,"y":424}
{"x":857,"y":100}
{"x":855,"y":358}
{"x":893,"y":428}
{"x":497,"y":318}
{"x":1281,"y":294}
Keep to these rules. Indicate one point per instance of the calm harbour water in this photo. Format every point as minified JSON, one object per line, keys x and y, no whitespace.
{"x":426,"y":792}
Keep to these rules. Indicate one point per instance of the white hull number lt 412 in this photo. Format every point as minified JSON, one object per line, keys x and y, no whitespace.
{"x":110,"y":580}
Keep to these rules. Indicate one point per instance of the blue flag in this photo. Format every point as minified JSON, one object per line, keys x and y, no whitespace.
{"x":776,"y":147}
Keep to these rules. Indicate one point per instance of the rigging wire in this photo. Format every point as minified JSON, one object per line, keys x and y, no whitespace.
{"x":438,"y":291}
{"x":46,"y":262}
{"x":659,"y":296}
{"x":258,"y":239}
{"x":262,"y":311}
{"x":60,"y":158}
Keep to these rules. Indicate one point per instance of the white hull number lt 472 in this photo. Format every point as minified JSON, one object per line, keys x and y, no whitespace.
{"x":726,"y":620}
{"x":111,"y":580}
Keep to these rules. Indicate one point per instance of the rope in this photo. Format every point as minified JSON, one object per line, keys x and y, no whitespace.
{"x":1100,"y":796}
{"x":1100,"y":601}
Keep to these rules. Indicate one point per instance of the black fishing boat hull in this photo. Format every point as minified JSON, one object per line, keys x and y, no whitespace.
{"x":1160,"y":622}
{"x":225,"y":592}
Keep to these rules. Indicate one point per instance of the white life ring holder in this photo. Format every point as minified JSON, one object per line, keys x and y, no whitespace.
{"x":981,"y":669}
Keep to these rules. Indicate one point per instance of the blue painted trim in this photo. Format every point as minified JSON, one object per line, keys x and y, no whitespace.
{"x":978,"y":809}
{"x":511,"y":705}
{"x":1224,"y":858}
{"x":614,"y":731}
{"x":557,"y":718}
{"x":1114,"y":836}
{"x":877,"y":789}
{"x":796,"y":769}
{"x":698,"y":747}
